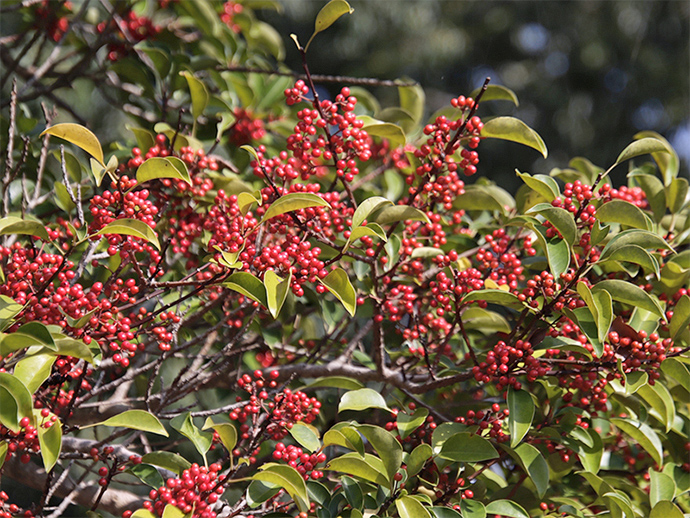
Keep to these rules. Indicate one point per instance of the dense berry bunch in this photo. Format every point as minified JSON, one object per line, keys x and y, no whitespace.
{"x":230,"y":10}
{"x":303,"y":462}
{"x":52,"y":18}
{"x":130,"y":30}
{"x":246,"y":128}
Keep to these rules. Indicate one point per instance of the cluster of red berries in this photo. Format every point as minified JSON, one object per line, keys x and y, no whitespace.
{"x":12,"y":510}
{"x":194,"y":493}
{"x":634,"y":195}
{"x":500,"y":260}
{"x":490,"y":422}
{"x":503,"y":363}
{"x":130,"y":30}
{"x":246,"y":128}
{"x":575,"y":199}
{"x":51,"y":17}
{"x":230,"y":10}
{"x":303,"y":462}
{"x":25,"y":442}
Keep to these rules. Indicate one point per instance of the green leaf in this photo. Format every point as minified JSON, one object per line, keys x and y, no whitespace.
{"x":643,"y":146}
{"x":13,"y":225}
{"x":506,"y":508}
{"x":342,"y":382}
{"x":305,"y":436}
{"x":643,"y":435}
{"x":371,"y":229}
{"x":15,"y":401}
{"x":79,"y":136}
{"x":8,"y":310}
{"x":185,"y":425}
{"x":276,"y":291}
{"x":667,"y":160}
{"x":198,"y":92}
{"x":167,"y":460}
{"x":391,"y":132}
{"x":484,"y":321}
{"x":289,"y":479}
{"x":444,"y":512}
{"x":472,"y":509}
{"x":485,"y":197}
{"x":50,"y":440}
{"x":248,"y":285}
{"x":676,"y":194}
{"x":628,"y":293}
{"x":172,"y":511}
{"x":466,"y":447}
{"x":397,"y":213}
{"x":258,"y":492}
{"x":598,"y":233}
{"x":535,"y":465}
{"x":412,"y":100}
{"x":226,"y":432}
{"x":661,"y":487}
{"x":368,"y":468}
{"x":625,"y":213}
{"x":329,"y":13}
{"x":510,"y":128}
{"x":32,"y":371}
{"x":245,"y":200}
{"x":493,"y":296}
{"x":637,"y":255}
{"x":409,"y":507}
{"x":131,"y":227}
{"x":409,"y":423}
{"x":3,"y":453}
{"x":585,"y":320}
{"x":496,"y":93}
{"x":28,"y":335}
{"x":338,"y":283}
{"x":347,"y":437}
{"x":521,"y":406}
{"x":677,"y":370}
{"x":417,"y":459}
{"x":619,"y":501}
{"x":134,"y":420}
{"x":158,"y":167}
{"x":143,"y":513}
{"x":293,"y":201}
{"x":544,"y":185}
{"x":561,"y":219}
{"x":681,"y":317}
{"x":148,"y":474}
{"x":642,"y":238}
{"x":661,"y":403}
{"x":71,"y":347}
{"x":367,"y":207}
{"x":387,"y":447}
{"x":590,"y":455}
{"x":666,"y":509}
{"x":362,"y":399}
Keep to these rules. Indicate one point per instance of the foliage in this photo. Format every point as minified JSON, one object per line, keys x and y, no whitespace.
{"x":277,"y":304}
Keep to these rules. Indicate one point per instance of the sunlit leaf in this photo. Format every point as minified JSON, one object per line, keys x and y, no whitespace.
{"x":667,"y":160}
{"x":625,"y":213}
{"x":681,"y":317}
{"x":276,"y":291}
{"x":544,"y":185}
{"x":158,"y":167}
{"x":409,"y":507}
{"x":226,"y":432}
{"x":362,"y":399}
{"x":628,"y":293}
{"x":15,"y":401}
{"x":368,"y":468}
{"x":293,"y":201}
{"x":50,"y":440}
{"x":391,"y":132}
{"x":79,"y":136}
{"x":185,"y":425}
{"x":397,"y":213}
{"x":561,"y":219}
{"x":677,"y":194}
{"x":506,"y":508}
{"x":13,"y":225}
{"x":510,"y":128}
{"x":521,"y":406}
{"x":643,"y":435}
{"x":248,"y":285}
{"x":533,"y":463}
{"x":32,"y":371}
{"x":305,"y":436}
{"x":289,"y":479}
{"x":409,"y":423}
{"x":367,"y":207}
{"x":338,"y":283}
{"x":467,"y":447}
{"x":167,"y":460}
{"x":131,"y":227}
{"x":643,"y":146}
{"x":198,"y":92}
{"x":330,"y":13}
{"x":134,"y":420}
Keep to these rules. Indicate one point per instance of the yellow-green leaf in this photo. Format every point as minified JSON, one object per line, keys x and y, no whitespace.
{"x":131,"y":227}
{"x":198,"y":92}
{"x":14,"y":225}
{"x":293,"y":201}
{"x":625,"y":213}
{"x":226,"y":432}
{"x":467,"y":447}
{"x":79,"y":136}
{"x":338,"y":283}
{"x":362,"y":399}
{"x":681,"y":317}
{"x":276,"y":291}
{"x":368,"y":206}
{"x":248,"y":285}
{"x":643,"y":435}
{"x":409,"y":507}
{"x":510,"y":128}
{"x":397,"y":213}
{"x":496,"y":93}
{"x":159,"y":167}
{"x":645,"y":146}
{"x":391,"y":132}
{"x":521,"y":406}
{"x":330,"y":13}
{"x":134,"y":420}
{"x":667,"y":160}
{"x":628,"y":293}
{"x":50,"y":440}
{"x":289,"y":479}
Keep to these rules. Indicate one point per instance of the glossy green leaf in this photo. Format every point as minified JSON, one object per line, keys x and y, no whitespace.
{"x":346,"y":437}
{"x":143,"y":513}
{"x":417,"y":459}
{"x":676,"y":194}
{"x":506,"y":508}
{"x":198,"y":92}
{"x":561,"y":219}
{"x":131,"y":227}
{"x":362,"y":399}
{"x":15,"y":401}
{"x":8,"y":310}
{"x":654,"y":189}
{"x":386,"y":130}
{"x":172,"y":511}
{"x":259,"y":492}
{"x":28,"y":335}
{"x":368,"y":468}
{"x":371,"y":229}
{"x":293,"y":201}
{"x":493,"y":296}
{"x":643,"y":435}
{"x":667,"y":160}
{"x":444,"y":512}
{"x":408,"y":423}
{"x":134,"y":420}
{"x":681,"y":317}
{"x":484,"y":321}
{"x":148,"y":474}
{"x":677,"y":370}
{"x":79,"y":136}
{"x":305,"y":436}
{"x":620,"y":501}
{"x":521,"y":406}
{"x":510,"y":128}
{"x":50,"y":440}
{"x":289,"y":479}
{"x":587,"y":323}
{"x":338,"y":283}
{"x":409,"y":507}
{"x":227,"y":259}
{"x":625,"y":213}
{"x":248,"y":285}
{"x":535,"y":465}
{"x":643,"y":146}
{"x":544,"y":185}
{"x":342,"y":382}
{"x":367,"y":207}
{"x":661,"y":403}
{"x":598,"y":233}
{"x":329,"y":13}
{"x":71,"y":347}
{"x":276,"y":291}
{"x":661,"y":487}
{"x":472,"y":509}
{"x":485,"y":197}
{"x":13,"y":225}
{"x":590,"y":455}
{"x":245,"y":200}
{"x":397,"y":213}
{"x":628,"y":293}
{"x":185,"y":425}
{"x":556,"y":250}
{"x":32,"y":371}
{"x":413,"y":100}
{"x":467,"y":447}
{"x":666,"y":509}
{"x":604,"y":304}
{"x":226,"y":432}
{"x":386,"y":445}
{"x":426,"y":252}
{"x":634,"y":381}
{"x":158,"y":167}
{"x":3,"y":452}
{"x":496,"y":93}
{"x":637,"y":255}
{"x":642,"y":238}
{"x":167,"y":460}
{"x":249,"y":149}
